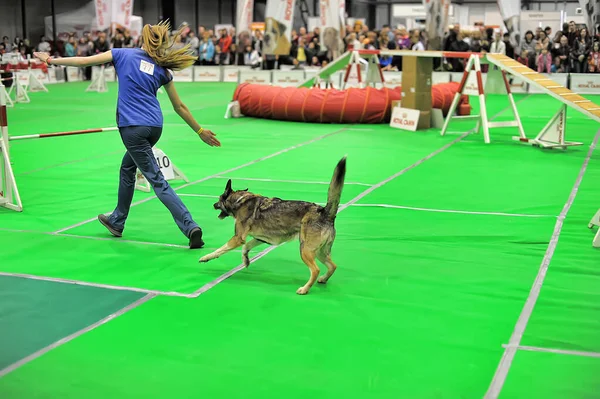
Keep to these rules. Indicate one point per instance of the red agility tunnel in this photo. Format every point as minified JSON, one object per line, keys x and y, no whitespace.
{"x":301,"y":104}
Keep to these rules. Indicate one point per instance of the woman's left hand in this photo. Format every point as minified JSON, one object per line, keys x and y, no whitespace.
{"x":42,"y":56}
{"x":209,"y":138}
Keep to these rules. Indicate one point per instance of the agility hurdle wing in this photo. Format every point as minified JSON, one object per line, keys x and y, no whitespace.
{"x":98,"y":81}
{"x":553,"y":134}
{"x":9,"y":194}
{"x":483,"y":123}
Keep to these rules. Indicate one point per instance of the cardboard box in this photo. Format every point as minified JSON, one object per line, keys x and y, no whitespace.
{"x":424,"y":120}
{"x":419,"y":100}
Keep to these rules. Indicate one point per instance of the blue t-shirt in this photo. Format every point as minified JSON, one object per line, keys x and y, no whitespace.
{"x":139,"y":80}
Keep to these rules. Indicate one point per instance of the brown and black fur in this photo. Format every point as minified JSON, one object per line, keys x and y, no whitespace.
{"x":275,"y":221}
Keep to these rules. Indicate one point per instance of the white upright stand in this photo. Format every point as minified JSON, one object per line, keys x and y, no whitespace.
{"x":596,"y":222}
{"x":9,"y":101}
{"x":553,"y":134}
{"x":21,"y":95}
{"x":168,"y":169}
{"x":99,"y":82}
{"x":474,"y":63}
{"x":9,"y":194}
{"x":35,"y":85}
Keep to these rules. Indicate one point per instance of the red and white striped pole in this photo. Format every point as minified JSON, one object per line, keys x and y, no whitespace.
{"x":57,"y":134}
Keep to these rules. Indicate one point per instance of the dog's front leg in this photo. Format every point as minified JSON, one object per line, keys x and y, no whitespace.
{"x":232,"y":244}
{"x":247,"y":248}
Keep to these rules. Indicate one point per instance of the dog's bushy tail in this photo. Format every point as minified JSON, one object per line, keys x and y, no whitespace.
{"x":335,"y":189}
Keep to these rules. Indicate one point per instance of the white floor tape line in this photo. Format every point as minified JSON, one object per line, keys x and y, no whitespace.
{"x":515,"y":340}
{"x":71,"y":337}
{"x":557,"y":351}
{"x":411,"y":208}
{"x":219,"y":174}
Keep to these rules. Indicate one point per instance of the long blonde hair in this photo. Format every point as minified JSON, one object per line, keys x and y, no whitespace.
{"x":159,"y":45}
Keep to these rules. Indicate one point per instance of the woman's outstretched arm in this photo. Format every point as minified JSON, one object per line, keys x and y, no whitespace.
{"x":98,"y":59}
{"x":184,"y":113}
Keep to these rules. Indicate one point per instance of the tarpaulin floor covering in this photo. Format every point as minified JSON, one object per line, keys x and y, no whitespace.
{"x":437,"y":258}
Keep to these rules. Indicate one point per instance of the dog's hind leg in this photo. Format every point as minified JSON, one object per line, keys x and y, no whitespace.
{"x":247,"y":248}
{"x":308,"y":256}
{"x":324,"y":256}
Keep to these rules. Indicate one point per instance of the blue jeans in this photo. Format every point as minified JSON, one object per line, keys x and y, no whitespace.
{"x":139,"y":141}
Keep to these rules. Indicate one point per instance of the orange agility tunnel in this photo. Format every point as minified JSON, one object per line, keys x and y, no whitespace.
{"x":354,"y":105}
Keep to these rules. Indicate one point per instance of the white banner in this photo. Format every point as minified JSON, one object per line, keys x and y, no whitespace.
{"x":185,"y":75}
{"x":103,"y":13}
{"x":331,"y":26}
{"x":255,"y":76}
{"x":73,"y":74}
{"x":121,"y":13}
{"x":245,"y":12}
{"x":436,"y":12}
{"x":510,"y":11}
{"x":278,"y":27}
{"x":287,"y":78}
{"x":207,"y":74}
{"x":405,"y":119}
{"x":231,"y":73}
{"x":585,"y":83}
{"x":392,"y":79}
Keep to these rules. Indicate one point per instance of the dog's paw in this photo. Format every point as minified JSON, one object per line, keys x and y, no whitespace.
{"x":322,"y":280}
{"x":302,"y":291}
{"x":203,"y":259}
{"x":246,"y":260}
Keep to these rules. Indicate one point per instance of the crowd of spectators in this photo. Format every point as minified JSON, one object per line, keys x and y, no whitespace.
{"x":572,"y":49}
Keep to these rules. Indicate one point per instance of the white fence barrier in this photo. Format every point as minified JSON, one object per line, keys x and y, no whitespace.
{"x":287,"y":77}
{"x":585,"y":83}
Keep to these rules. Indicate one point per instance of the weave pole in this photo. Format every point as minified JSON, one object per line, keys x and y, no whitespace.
{"x":57,"y":134}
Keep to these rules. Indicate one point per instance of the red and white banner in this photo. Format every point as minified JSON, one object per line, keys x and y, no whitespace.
{"x":103,"y":13}
{"x":245,"y":11}
{"x":279,"y":18}
{"x":436,"y":12}
{"x":331,"y":26}
{"x":121,"y":13}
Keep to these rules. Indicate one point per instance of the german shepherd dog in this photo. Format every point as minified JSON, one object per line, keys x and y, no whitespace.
{"x":274,"y":221}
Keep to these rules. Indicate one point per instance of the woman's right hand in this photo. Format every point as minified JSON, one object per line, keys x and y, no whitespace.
{"x":209,"y":138}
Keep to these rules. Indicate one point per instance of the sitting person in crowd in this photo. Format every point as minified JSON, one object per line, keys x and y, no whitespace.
{"x":544,"y":61}
{"x":524,"y":58}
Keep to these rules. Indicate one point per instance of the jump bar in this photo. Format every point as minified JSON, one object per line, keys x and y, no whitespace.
{"x":427,"y":53}
{"x":57,"y":134}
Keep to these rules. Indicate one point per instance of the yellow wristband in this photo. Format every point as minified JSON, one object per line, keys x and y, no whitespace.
{"x":199,"y":132}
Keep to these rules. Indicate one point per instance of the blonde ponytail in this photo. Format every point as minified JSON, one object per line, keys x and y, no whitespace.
{"x":159,"y":45}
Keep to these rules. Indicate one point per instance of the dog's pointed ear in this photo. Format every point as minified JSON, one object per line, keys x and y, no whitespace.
{"x":244,"y":189}
{"x":228,"y":189}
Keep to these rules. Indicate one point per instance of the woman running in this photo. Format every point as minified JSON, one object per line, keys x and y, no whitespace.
{"x":141,"y":72}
